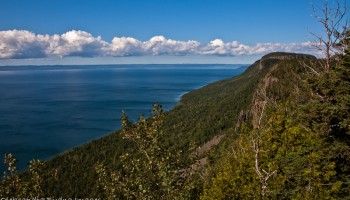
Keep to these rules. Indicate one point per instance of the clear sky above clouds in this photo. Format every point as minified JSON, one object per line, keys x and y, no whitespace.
{"x":151,"y":31}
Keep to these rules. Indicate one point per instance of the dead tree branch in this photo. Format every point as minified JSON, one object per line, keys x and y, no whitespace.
{"x":333,"y":18}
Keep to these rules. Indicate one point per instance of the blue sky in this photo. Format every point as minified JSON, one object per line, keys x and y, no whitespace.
{"x":183,"y":31}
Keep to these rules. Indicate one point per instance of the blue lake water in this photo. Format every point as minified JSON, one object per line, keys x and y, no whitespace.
{"x":45,"y":110}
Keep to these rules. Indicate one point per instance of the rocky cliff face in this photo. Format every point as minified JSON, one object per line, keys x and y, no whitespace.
{"x":276,"y":56}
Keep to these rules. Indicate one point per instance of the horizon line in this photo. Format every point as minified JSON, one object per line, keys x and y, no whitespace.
{"x":127,"y":64}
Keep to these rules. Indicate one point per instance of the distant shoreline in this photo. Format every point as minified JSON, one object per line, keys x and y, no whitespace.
{"x":140,"y":65}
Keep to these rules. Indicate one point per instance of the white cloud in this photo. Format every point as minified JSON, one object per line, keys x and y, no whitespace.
{"x":124,"y":46}
{"x":218,"y":47}
{"x":22,"y":44}
{"x":25,"y":44}
{"x":76,"y":43}
{"x":159,"y":45}
{"x":17,"y":44}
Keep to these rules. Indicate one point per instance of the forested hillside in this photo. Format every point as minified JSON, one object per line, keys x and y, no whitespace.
{"x":284,"y":129}
{"x":295,"y":144}
{"x":200,"y":115}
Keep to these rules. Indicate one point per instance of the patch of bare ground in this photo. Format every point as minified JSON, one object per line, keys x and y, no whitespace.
{"x":200,"y":151}
{"x":209,"y":145}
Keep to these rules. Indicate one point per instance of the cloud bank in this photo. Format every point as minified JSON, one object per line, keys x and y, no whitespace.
{"x":21,"y":44}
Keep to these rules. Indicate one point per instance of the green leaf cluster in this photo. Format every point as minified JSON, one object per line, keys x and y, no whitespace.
{"x":151,"y":171}
{"x":12,"y":185}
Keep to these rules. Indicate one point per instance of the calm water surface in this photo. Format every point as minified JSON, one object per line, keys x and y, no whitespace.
{"x":45,"y":110}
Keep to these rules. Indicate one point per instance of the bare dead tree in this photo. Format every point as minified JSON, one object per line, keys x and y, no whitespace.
{"x":333,"y":16}
{"x":263,"y":175}
{"x":309,"y":68}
